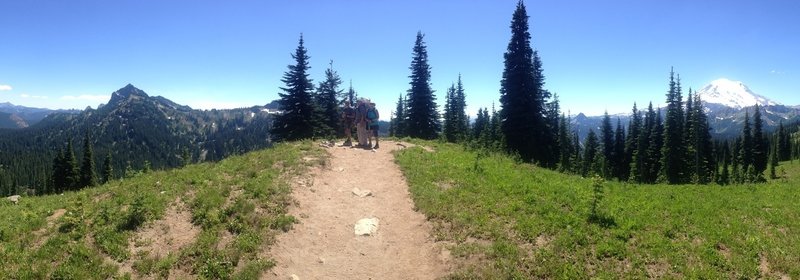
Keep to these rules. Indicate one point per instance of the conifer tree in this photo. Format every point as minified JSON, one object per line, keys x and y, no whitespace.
{"x":88,"y":175}
{"x":724,"y":177}
{"x":451,"y":119}
{"x":70,"y":168}
{"x":736,"y":162}
{"x":620,"y":170}
{"x":631,"y":143}
{"x":565,"y":145}
{"x":577,"y":160}
{"x":590,"y":152}
{"x":298,"y":118}
{"x":655,"y":146}
{"x":607,"y":141}
{"x":773,"y":160}
{"x":746,"y":148}
{"x":461,"y":107}
{"x":703,"y":149}
{"x":398,"y":122}
{"x":690,"y":132}
{"x":784,"y":146}
{"x":328,"y":104}
{"x":551,"y":154}
{"x":522,"y":96}
{"x":672,"y":155}
{"x":59,"y":177}
{"x":422,"y":115}
{"x":481,"y":122}
{"x":108,"y":169}
{"x":760,"y":146}
{"x":640,"y":155}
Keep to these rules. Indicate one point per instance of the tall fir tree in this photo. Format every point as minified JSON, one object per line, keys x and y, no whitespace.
{"x":607,"y":142}
{"x":297,"y":101}
{"x":724,"y":174}
{"x":640,"y":156}
{"x":631,"y":142}
{"x":784,"y":143}
{"x":690,"y":142}
{"x":481,"y":122}
{"x":590,"y":152}
{"x":461,"y":107}
{"x":746,"y":149}
{"x":422,"y":115}
{"x":522,"y":95}
{"x":760,"y":146}
{"x":59,"y":175}
{"x":552,"y":114}
{"x":620,"y":170}
{"x":704,"y":161}
{"x":655,"y":148}
{"x":450,"y":124}
{"x":565,"y":145}
{"x":70,"y":168}
{"x":399,"y":120}
{"x":672,"y":154}
{"x":328,"y":104}
{"x":88,"y":174}
{"x":108,"y":169}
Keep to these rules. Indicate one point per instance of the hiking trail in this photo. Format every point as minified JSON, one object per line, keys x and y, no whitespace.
{"x":324,"y":244}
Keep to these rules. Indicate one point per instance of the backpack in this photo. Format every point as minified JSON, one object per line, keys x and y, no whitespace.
{"x":372,"y":114}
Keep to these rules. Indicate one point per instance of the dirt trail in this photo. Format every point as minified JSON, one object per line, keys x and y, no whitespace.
{"x":323,"y":244}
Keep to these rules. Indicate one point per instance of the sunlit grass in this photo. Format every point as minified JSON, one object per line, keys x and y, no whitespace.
{"x":245,"y":196}
{"x":520,"y":221}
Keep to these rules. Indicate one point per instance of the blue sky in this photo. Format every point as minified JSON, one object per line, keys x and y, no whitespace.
{"x":597,"y":55}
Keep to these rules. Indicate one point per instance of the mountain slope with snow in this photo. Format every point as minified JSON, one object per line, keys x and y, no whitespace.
{"x":733,"y":94}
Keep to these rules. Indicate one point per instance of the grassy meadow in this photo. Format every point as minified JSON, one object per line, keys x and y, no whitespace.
{"x":223,"y":214}
{"x":506,"y":220}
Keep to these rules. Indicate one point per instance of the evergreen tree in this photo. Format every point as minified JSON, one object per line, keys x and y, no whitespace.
{"x":672,"y":154}
{"x":59,"y":177}
{"x":298,"y":118}
{"x":620,"y":172}
{"x":495,"y":131}
{"x":746,"y":149}
{"x":590,"y":151}
{"x":565,"y":145}
{"x":577,"y":160}
{"x":72,"y":178}
{"x":704,"y":161}
{"x":108,"y":169}
{"x":422,"y":115}
{"x":481,"y":122}
{"x":773,"y":160}
{"x":784,"y":147}
{"x":398,"y":122}
{"x":690,"y":132}
{"x":552,"y":153}
{"x":736,"y":161}
{"x":760,"y":146}
{"x":88,"y":175}
{"x":724,"y":177}
{"x":451,"y":119}
{"x":461,"y":106}
{"x":631,"y":143}
{"x":655,"y":146}
{"x":640,"y":156}
{"x":607,"y":136}
{"x":328,"y":105}
{"x":522,"y":97}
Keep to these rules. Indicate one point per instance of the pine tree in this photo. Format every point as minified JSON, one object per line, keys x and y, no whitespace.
{"x":784,"y":147}
{"x":590,"y":151}
{"x":460,"y":107}
{"x":607,"y":136}
{"x":620,"y":172}
{"x":480,"y":123}
{"x":399,"y":120}
{"x":746,"y":150}
{"x":577,"y":160}
{"x":640,"y":156}
{"x":422,"y":115}
{"x":704,"y":162}
{"x":655,"y":146}
{"x":328,"y":104}
{"x":631,"y":143}
{"x":522,"y":97}
{"x":736,"y":161}
{"x":88,"y":175}
{"x":298,"y":118}
{"x":773,"y":160}
{"x":59,"y":177}
{"x":552,"y":153}
{"x":70,"y":168}
{"x":672,"y":154}
{"x":690,"y":126}
{"x":565,"y":145}
{"x":450,"y":124}
{"x":760,"y":146}
{"x":108,"y":169}
{"x":724,"y":177}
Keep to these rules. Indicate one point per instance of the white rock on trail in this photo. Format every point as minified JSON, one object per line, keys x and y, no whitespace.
{"x":366,"y":226}
{"x":13,"y":198}
{"x":361,"y":193}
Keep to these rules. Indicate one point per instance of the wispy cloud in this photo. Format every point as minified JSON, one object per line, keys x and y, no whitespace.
{"x":33,"y":96}
{"x":776,"y":72}
{"x":100,"y":98}
{"x":5,"y":87}
{"x":208,"y":104}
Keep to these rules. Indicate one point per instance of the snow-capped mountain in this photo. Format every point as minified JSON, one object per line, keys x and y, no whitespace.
{"x":732,"y":94}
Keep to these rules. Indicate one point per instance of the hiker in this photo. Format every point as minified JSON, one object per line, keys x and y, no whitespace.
{"x":372,"y":125}
{"x":361,"y":123}
{"x":348,"y":117}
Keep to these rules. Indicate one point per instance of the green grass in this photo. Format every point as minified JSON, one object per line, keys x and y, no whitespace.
{"x":94,"y":234}
{"x":516,"y":221}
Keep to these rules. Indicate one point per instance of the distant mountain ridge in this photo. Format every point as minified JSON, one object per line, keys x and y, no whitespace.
{"x":725,"y":103}
{"x":16,"y":116}
{"x":136,"y":129}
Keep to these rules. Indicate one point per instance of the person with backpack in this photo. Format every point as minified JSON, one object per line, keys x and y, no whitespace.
{"x":372,"y":125}
{"x":361,"y":123}
{"x":348,"y":118}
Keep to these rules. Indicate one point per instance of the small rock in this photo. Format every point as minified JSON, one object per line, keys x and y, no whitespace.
{"x":163,"y":192}
{"x":14,"y":198}
{"x":340,"y":169}
{"x":294,"y":277}
{"x":366,"y":226}
{"x":320,"y":260}
{"x":361,"y":193}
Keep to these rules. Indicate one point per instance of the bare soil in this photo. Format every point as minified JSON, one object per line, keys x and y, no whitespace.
{"x":323,"y":244}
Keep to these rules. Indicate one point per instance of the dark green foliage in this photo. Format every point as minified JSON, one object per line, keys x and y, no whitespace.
{"x":773,"y":160}
{"x":760,"y":146}
{"x":522,"y":97}
{"x":108,"y":169}
{"x":724,"y":177}
{"x":328,"y":104}
{"x":590,"y":153}
{"x":631,"y":142}
{"x":297,"y":101}
{"x":746,"y":151}
{"x":397,"y":126}
{"x":450,"y":123}
{"x":700,"y":149}
{"x":88,"y":175}
{"x":607,"y":138}
{"x":422,"y":117}
{"x":70,"y":168}
{"x":672,"y":152}
{"x":566,"y":148}
{"x":655,"y":148}
{"x":619,"y":170}
{"x":462,"y":119}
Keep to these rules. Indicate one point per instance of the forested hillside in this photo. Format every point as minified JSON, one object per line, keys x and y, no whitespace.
{"x":138,"y":131}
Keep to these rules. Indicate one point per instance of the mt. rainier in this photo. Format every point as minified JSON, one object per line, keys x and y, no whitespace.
{"x":733,"y":94}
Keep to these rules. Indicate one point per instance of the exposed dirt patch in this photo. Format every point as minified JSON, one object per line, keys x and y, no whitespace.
{"x":657,"y":270}
{"x":56,"y":214}
{"x":323,"y":244}
{"x":724,"y":251}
